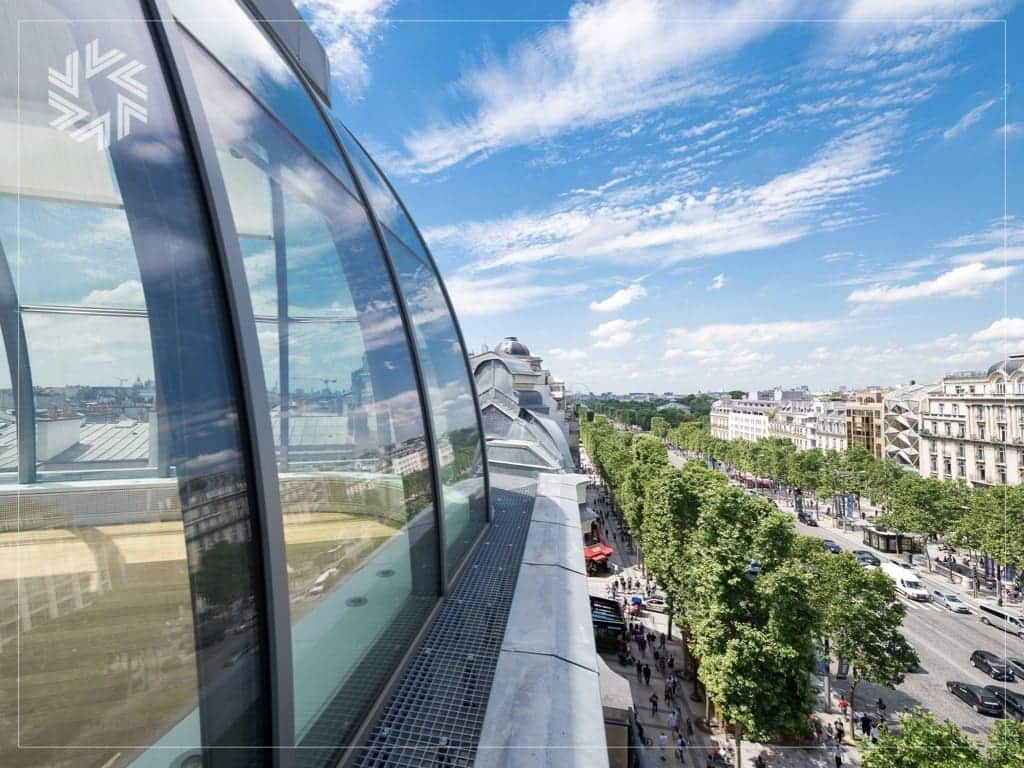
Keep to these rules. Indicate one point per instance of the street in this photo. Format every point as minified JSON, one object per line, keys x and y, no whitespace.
{"x":943,"y":640}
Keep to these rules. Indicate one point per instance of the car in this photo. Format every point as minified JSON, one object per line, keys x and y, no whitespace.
{"x":831,"y":546}
{"x":976,"y":697}
{"x":1013,"y":702}
{"x":905,"y":581}
{"x":994,"y":666}
{"x":950,"y":601}
{"x":1002,"y":618}
{"x":656,"y":604}
{"x":866,"y":558}
{"x":807,"y":519}
{"x":1016,"y":664}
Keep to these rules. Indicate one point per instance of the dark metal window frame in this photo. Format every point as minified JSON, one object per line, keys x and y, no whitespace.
{"x":253,"y":400}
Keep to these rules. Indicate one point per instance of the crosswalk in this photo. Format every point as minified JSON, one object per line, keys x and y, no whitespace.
{"x":916,"y":605}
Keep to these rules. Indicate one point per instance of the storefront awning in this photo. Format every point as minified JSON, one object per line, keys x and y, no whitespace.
{"x":597,"y":552}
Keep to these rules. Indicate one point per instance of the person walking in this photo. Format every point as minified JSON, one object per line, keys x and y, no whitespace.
{"x":837,"y":755}
{"x":689,"y":728}
{"x":647,"y":675}
{"x":843,"y":705}
{"x":673,"y":720}
{"x":681,"y":750}
{"x":662,"y":745}
{"x":840,"y":731}
{"x":654,"y":704}
{"x":639,"y":671}
{"x":865,"y":725}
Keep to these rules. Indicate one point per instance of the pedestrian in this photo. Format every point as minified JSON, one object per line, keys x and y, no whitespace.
{"x":671,"y":661}
{"x":681,"y":750}
{"x":829,"y":733}
{"x":865,"y":725}
{"x":642,"y":642}
{"x":654,"y":704}
{"x":647,"y":675}
{"x":875,"y":734}
{"x":881,"y":708}
{"x":843,"y":705}
{"x":840,"y":731}
{"x":689,"y":727}
{"x":662,"y":744}
{"x":639,"y":670}
{"x":837,"y":753}
{"x":673,"y":720}
{"x":661,"y":640}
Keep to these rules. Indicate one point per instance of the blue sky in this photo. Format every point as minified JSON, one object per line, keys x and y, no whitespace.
{"x":683,"y":196}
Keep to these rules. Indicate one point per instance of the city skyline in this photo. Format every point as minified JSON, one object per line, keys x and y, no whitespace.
{"x":775,"y":200}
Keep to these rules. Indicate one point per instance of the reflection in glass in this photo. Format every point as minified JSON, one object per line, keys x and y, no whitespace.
{"x":452,"y":407}
{"x":128,"y":581}
{"x":353,"y":464}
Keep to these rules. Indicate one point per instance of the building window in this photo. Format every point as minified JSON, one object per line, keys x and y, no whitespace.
{"x":443,"y":362}
{"x":942,"y":408}
{"x":935,"y":464}
{"x":960,"y":450}
{"x":150,"y":583}
{"x":981,"y":472}
{"x":1000,"y":454}
{"x":949,"y":429}
{"x":1002,"y":475}
{"x":946,"y":466}
{"x":1002,"y":433}
{"x":354,"y":468}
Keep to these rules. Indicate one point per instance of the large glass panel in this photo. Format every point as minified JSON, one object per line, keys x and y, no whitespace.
{"x":227,"y":31}
{"x":382,"y":201}
{"x":131,"y":584}
{"x":353,"y":463}
{"x":452,"y":409}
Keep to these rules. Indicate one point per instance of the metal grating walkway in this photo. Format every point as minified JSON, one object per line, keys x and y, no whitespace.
{"x":436,"y":713}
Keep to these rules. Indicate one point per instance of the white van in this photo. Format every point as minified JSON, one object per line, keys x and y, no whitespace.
{"x":906,"y":581}
{"x":1003,"y":619}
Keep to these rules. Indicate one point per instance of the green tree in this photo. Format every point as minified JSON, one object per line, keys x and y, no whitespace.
{"x":924,"y":742}
{"x":863,"y":621}
{"x":1005,"y":745}
{"x":659,"y":426}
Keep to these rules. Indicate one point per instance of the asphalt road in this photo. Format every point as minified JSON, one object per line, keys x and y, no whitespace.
{"x":943,"y":640}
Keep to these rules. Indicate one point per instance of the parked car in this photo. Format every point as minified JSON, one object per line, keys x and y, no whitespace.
{"x":656,"y":604}
{"x":1002,"y":618}
{"x":950,"y":601}
{"x":866,"y":558}
{"x":807,"y":519}
{"x":976,"y":697}
{"x":992,"y":665}
{"x":831,"y":546}
{"x":1013,"y":702}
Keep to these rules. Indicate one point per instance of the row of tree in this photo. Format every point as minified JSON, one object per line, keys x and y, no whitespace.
{"x":757,"y":601}
{"x":654,"y":415}
{"x":988,"y":520}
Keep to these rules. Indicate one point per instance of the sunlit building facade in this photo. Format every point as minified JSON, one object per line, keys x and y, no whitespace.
{"x":240,"y":451}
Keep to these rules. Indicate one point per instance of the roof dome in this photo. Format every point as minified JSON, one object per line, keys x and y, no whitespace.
{"x":510,"y":345}
{"x":1008,"y":366}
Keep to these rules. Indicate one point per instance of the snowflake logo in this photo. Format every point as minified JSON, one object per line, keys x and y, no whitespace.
{"x":64,"y":94}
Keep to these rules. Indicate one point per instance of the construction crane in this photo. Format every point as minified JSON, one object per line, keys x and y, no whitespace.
{"x":327,"y":384}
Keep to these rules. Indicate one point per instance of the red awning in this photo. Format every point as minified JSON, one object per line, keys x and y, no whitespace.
{"x":597,"y":552}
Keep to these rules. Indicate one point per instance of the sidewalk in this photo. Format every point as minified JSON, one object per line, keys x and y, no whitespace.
{"x":701,"y":743}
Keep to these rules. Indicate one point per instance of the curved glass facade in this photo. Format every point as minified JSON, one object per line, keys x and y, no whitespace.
{"x":240,"y":455}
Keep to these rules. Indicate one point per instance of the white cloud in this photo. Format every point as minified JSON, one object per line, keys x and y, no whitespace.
{"x":621,"y":298}
{"x":567,"y":354}
{"x":347,"y":29}
{"x":969,"y":119}
{"x":127,"y":294}
{"x":495,"y":296}
{"x":615,"y":333}
{"x":835,"y":256}
{"x":613,"y":59}
{"x":717,"y":282}
{"x":959,"y":281}
{"x":655,"y":223}
{"x":1010,"y":228}
{"x":750,"y":334}
{"x":1011,"y":130}
{"x":1002,"y":329}
{"x":993,"y":255}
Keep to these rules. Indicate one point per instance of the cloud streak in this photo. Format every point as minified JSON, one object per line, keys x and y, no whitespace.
{"x":966,"y":280}
{"x":612,"y":59}
{"x":621,"y":298}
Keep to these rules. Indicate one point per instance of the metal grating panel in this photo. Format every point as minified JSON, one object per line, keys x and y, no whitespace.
{"x":435,"y":716}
